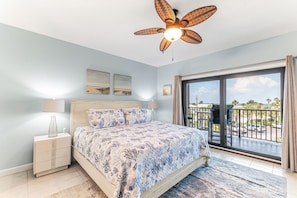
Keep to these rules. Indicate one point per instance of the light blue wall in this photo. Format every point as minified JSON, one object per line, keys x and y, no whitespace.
{"x":258,"y":52}
{"x":33,"y":67}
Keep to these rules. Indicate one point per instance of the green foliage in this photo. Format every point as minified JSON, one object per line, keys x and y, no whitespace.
{"x":251,"y":104}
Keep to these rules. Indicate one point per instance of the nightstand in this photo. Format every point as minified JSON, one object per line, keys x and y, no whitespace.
{"x":51,"y":154}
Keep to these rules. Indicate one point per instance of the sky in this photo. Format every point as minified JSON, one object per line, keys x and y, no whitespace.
{"x":258,"y":88}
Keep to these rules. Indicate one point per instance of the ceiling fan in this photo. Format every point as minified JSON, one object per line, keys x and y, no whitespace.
{"x":175,"y":28}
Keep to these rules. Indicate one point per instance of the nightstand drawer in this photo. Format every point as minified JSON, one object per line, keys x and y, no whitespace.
{"x":42,"y":166}
{"x":61,"y":161}
{"x":47,"y":145}
{"x":51,"y":154}
{"x":51,"y":164}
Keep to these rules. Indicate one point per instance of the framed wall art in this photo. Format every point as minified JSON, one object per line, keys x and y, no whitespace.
{"x":167,"y":90}
{"x":122,"y":85}
{"x":98,"y":82}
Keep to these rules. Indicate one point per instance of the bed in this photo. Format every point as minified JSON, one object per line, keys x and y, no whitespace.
{"x":138,"y":181}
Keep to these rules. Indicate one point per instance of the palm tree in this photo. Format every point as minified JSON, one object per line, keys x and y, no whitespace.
{"x":276,"y":104}
{"x":268,"y":102}
{"x":235,"y":112}
{"x":235,"y":103}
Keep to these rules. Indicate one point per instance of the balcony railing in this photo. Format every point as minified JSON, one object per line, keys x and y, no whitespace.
{"x":249,"y":123}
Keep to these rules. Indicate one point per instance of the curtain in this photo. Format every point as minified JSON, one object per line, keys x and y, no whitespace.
{"x":289,"y":141}
{"x":177,"y":112}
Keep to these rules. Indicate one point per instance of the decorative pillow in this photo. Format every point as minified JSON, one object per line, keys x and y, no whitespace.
{"x":101,"y":118}
{"x":136,"y":115}
{"x":148,"y":114}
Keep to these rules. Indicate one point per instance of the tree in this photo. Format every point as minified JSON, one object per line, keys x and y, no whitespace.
{"x":235,"y":103}
{"x":276,"y":104}
{"x":268,"y":102}
{"x":251,"y":104}
{"x":235,"y":113}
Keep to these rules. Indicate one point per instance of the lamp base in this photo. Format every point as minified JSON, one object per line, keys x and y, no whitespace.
{"x":153,"y":115}
{"x":53,"y":129}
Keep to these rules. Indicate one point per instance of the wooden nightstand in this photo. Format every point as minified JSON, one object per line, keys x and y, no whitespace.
{"x":51,"y":154}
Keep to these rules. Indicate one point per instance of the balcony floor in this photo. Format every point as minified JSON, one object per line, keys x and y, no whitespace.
{"x":258,"y":146}
{"x":253,"y":145}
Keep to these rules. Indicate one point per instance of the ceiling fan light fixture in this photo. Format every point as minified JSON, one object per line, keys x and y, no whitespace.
{"x":173,"y":34}
{"x":177,"y":29}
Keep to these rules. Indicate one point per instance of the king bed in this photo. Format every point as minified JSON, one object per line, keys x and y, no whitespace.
{"x":127,"y":154}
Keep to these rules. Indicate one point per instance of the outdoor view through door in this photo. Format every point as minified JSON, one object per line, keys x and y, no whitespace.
{"x":238,"y":111}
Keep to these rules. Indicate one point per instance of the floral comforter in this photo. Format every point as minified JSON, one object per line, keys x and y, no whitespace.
{"x":136,"y":157}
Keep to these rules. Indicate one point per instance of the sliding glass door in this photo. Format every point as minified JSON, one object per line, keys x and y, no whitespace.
{"x":238,"y":111}
{"x":203,"y":101}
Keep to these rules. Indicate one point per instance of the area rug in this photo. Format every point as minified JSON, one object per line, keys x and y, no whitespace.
{"x":221,"y":179}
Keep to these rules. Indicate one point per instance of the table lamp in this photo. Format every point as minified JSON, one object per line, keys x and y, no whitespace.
{"x":152,"y":105}
{"x":53,"y":106}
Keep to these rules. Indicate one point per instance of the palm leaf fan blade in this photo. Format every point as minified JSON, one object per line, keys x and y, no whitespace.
{"x":165,"y":11}
{"x":164,"y":44}
{"x":150,"y":31}
{"x":197,"y":16}
{"x":190,"y":36}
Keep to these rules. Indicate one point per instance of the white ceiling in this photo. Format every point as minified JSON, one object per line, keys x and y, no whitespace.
{"x":108,"y":25}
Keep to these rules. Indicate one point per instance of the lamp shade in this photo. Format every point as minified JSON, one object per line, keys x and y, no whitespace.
{"x":173,"y":34}
{"x":53,"y":105}
{"x":152,"y":104}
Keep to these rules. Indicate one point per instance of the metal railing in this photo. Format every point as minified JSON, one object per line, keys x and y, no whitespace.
{"x":199,"y":117}
{"x":250,"y":123}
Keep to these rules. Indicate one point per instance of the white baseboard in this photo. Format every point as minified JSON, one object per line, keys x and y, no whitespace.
{"x":16,"y":169}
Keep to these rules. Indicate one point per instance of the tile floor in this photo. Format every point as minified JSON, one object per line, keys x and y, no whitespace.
{"x":25,"y":185}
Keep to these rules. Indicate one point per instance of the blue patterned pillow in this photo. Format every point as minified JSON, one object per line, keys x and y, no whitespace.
{"x":148,"y":114}
{"x":101,"y":118}
{"x":137,"y":115}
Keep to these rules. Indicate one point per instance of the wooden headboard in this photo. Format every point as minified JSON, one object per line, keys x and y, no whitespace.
{"x":78,"y":114}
